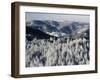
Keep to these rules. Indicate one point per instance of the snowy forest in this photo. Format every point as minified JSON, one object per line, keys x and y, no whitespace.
{"x":57,"y":53}
{"x":52,"y":46}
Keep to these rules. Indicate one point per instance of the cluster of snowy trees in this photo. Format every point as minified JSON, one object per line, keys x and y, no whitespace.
{"x":43,"y":52}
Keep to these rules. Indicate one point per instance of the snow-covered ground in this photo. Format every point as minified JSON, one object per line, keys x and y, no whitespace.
{"x":43,"y":52}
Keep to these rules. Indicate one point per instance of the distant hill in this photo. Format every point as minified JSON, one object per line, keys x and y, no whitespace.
{"x":59,"y":29}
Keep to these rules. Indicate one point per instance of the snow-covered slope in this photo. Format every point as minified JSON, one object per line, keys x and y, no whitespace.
{"x":52,"y":43}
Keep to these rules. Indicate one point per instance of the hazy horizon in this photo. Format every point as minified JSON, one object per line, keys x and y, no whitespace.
{"x":30,"y":16}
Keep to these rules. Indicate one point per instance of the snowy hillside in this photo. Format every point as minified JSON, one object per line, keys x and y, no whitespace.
{"x":59,"y":29}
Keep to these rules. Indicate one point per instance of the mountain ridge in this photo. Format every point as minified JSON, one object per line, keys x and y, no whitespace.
{"x":54,"y":28}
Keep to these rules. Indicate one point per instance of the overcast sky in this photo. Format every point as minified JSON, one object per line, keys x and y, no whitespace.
{"x":57,"y":17}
